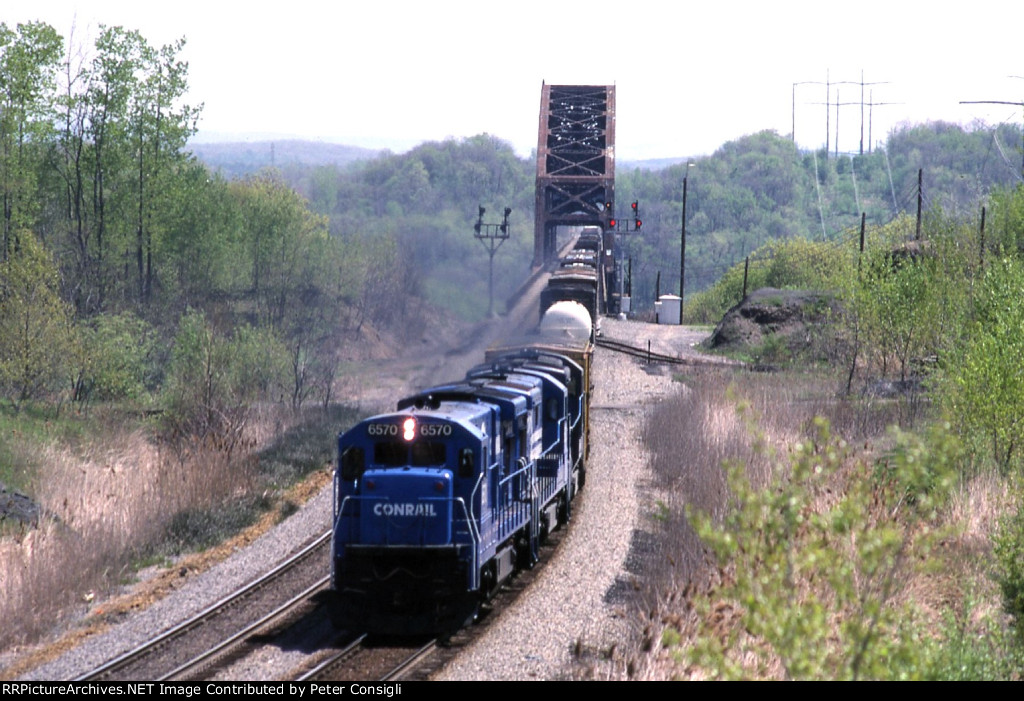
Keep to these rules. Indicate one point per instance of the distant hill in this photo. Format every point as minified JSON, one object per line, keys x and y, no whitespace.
{"x":239,"y":158}
{"x":651,"y":163}
{"x":236,"y":159}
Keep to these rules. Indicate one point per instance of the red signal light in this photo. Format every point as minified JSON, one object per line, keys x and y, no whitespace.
{"x":635,"y":204}
{"x":612,"y":223}
{"x":638,"y":224}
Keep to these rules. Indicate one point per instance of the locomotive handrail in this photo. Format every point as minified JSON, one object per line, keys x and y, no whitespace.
{"x":513,"y":512}
{"x":579,"y":414}
{"x":557,"y":441}
{"x":474,"y":535}
{"x":523,"y":467}
{"x":472,"y":500}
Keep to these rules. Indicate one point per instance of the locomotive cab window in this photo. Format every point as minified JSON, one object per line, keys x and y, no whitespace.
{"x":428,"y":454}
{"x":390,"y":454}
{"x":400,"y":454}
{"x":467,"y":467}
{"x":353,"y":461}
{"x":552,"y":409}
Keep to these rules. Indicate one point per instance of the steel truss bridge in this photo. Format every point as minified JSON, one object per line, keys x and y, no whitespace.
{"x":575,"y":162}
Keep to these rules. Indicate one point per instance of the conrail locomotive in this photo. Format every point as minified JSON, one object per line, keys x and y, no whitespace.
{"x":439,"y":502}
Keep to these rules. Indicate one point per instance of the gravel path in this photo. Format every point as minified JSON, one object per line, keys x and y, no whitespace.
{"x":571,"y":607}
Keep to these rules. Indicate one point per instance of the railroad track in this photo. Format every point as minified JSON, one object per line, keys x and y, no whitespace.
{"x":363,"y":659}
{"x":212,"y":634}
{"x":357,"y":661}
{"x":652,"y":357}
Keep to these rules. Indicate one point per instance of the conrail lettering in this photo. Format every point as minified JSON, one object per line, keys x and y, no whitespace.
{"x":404,"y":509}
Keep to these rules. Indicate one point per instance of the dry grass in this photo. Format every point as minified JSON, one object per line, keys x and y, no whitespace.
{"x":691,"y":435}
{"x":107,"y":504}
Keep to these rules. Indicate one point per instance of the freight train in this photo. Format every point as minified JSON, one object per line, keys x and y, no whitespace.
{"x":440,"y":502}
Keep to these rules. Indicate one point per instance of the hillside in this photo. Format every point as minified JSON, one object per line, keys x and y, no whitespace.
{"x":239,"y":159}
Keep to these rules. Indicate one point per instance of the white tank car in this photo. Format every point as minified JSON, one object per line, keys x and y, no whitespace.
{"x":570,"y":317}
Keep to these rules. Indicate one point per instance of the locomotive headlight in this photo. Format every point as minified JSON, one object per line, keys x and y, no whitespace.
{"x":409,"y":429}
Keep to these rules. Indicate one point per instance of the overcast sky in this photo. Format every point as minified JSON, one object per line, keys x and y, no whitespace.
{"x":689,"y":76}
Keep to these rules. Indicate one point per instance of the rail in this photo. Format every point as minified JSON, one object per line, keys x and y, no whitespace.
{"x":147,"y":647}
{"x":652,"y":357}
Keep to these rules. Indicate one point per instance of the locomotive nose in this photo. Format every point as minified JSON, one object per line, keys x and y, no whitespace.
{"x":411,"y":507}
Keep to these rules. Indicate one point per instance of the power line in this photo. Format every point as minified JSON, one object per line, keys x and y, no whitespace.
{"x":999,"y":102}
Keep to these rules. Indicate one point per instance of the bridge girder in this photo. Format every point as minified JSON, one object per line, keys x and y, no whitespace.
{"x":575,"y":161}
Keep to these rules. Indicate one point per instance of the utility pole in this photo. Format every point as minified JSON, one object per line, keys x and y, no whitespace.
{"x":838,"y":104}
{"x":920,"y":202}
{"x":862,"y":84}
{"x":491,"y":236}
{"x":682,"y":252}
{"x":793,"y":115}
{"x":682,"y":245}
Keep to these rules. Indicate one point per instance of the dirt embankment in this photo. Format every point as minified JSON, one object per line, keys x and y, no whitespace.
{"x":770,"y":323}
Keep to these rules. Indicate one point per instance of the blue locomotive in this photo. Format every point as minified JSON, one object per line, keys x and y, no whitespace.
{"x":441,"y":501}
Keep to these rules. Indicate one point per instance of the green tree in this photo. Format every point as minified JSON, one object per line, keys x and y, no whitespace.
{"x":71,"y":167}
{"x":29,"y":59}
{"x":199,"y":390}
{"x":283,"y":242}
{"x":203,"y":240}
{"x":160,"y":129}
{"x":909,"y":297}
{"x":1006,"y":223}
{"x":35,"y":323}
{"x":983,"y":389}
{"x":259,"y":364}
{"x":112,"y":82}
{"x":116,"y":358}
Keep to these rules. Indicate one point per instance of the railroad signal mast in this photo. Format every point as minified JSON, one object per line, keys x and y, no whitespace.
{"x":632,"y":226}
{"x":491,"y":236}
{"x":637,"y":222}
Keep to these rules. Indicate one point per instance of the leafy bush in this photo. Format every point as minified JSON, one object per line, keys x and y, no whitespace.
{"x":982,"y":387}
{"x":1009,"y":553}
{"x":921,"y":472}
{"x":968,"y":651}
{"x":811,"y":567}
{"x":115,"y":359}
{"x":35,"y":323}
{"x":259,"y":364}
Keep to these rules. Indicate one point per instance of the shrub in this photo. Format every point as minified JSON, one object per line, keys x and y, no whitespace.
{"x":35,"y":323}
{"x":812,"y":564}
{"x":1009,"y":554}
{"x":115,"y":359}
{"x":983,"y":389}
